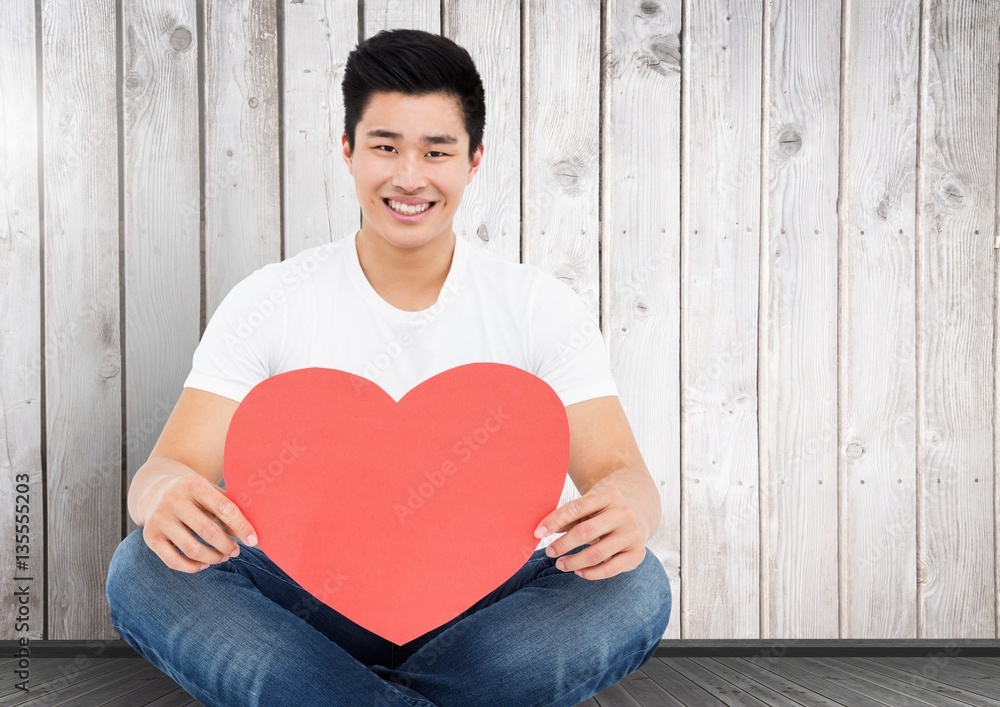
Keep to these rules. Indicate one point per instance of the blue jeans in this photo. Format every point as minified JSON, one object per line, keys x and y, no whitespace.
{"x":242,"y":632}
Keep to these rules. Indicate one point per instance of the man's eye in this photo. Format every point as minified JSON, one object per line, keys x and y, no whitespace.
{"x":435,"y":153}
{"x":387,"y":147}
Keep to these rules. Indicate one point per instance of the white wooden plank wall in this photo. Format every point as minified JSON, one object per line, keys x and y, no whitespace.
{"x":21,"y":424}
{"x":956,"y":319}
{"x":798,"y":308}
{"x":719,"y":236}
{"x":786,"y":231}
{"x":877,"y":457}
{"x":640,"y":248}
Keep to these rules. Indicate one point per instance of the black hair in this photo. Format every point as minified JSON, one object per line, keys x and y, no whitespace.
{"x":416,"y":63}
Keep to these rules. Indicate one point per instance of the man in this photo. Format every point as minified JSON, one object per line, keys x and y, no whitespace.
{"x":399,"y":301}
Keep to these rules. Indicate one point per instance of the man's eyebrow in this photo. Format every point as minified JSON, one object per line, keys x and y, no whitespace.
{"x":432,"y":139}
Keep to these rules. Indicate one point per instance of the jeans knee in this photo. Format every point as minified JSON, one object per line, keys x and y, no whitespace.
{"x":653,"y":593}
{"x":127,"y":567}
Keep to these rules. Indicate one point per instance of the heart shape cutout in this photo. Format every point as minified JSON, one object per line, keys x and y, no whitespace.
{"x":398,"y":515}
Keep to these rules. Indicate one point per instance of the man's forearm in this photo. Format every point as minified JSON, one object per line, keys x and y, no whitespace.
{"x":639,"y":489}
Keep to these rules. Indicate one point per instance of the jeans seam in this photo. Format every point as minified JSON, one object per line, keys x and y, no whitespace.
{"x":289,"y":582}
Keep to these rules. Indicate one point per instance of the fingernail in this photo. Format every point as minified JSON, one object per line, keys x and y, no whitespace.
{"x":251,"y":539}
{"x":235,"y":552}
{"x":550,"y":552}
{"x":204,"y":565}
{"x":541,"y":532}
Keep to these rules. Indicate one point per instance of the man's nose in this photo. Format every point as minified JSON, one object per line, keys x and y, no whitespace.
{"x":409,"y":176}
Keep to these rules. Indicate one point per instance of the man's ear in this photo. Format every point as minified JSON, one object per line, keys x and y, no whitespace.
{"x":348,"y":158}
{"x":477,"y":160}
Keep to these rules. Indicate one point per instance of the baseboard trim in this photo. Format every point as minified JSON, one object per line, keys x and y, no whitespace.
{"x":829,"y":648}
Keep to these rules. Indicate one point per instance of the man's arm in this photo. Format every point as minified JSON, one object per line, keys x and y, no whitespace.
{"x":603,"y":451}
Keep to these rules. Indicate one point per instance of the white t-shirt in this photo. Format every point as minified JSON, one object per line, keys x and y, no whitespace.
{"x":317,"y":309}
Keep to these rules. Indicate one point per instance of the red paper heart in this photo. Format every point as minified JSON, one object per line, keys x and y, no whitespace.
{"x":400,"y":516}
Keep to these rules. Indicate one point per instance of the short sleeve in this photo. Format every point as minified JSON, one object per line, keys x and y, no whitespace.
{"x":241,"y":338}
{"x":568,"y":348}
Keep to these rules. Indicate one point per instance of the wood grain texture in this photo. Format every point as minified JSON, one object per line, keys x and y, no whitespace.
{"x":162,"y":233}
{"x":242,"y":194}
{"x":640,"y":245}
{"x":798,"y":406}
{"x":320,"y":202}
{"x":642,"y":160}
{"x":877,"y":451}
{"x":561,"y":150}
{"x":82,"y":348}
{"x":956,"y":282}
{"x":21,"y":491}
{"x":721,"y":204}
{"x":490,"y":215}
{"x":395,"y":14}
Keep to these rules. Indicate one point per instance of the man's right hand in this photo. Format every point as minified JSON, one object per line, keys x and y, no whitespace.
{"x":176,"y":506}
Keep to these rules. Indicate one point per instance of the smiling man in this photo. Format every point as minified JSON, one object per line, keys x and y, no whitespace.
{"x":397,"y":302}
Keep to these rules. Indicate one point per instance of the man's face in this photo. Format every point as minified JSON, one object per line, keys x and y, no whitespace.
{"x":410,"y":166}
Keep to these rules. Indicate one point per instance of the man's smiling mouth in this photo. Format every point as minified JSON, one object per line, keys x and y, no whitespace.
{"x":406,"y":209}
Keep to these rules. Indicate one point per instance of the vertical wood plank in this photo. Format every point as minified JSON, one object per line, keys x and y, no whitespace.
{"x":877,"y":318}
{"x":561,"y":149}
{"x":491,"y":204}
{"x":721,"y":204}
{"x":21,"y":500}
{"x":82,"y":349}
{"x":242,"y":222}
{"x":320,"y":203}
{"x":799,"y":322}
{"x":640,"y":240}
{"x":162,"y":217}
{"x":956,"y":276}
{"x":393,"y":14}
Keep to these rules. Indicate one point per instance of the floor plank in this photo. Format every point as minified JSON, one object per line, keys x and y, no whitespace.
{"x":940,"y":687}
{"x":880,"y":685}
{"x":676,"y":684}
{"x":833,"y":692}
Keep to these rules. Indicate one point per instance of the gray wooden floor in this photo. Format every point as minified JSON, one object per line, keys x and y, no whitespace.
{"x":671,"y":681}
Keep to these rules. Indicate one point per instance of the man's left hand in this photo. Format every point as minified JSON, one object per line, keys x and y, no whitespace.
{"x":605,"y":519}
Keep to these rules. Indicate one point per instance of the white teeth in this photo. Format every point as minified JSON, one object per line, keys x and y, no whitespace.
{"x":407,"y":209}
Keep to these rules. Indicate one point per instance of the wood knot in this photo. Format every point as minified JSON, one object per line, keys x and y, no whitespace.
{"x":664,"y":54}
{"x":567,"y":174}
{"x":133,"y":83}
{"x":855,"y":450}
{"x":789,"y":142}
{"x":951,"y":193}
{"x":180,"y":39}
{"x":253,"y":102}
{"x":483,"y":234}
{"x":883,"y":208}
{"x":649,"y":8}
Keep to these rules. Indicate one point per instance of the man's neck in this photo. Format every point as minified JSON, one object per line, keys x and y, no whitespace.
{"x":409,"y":279}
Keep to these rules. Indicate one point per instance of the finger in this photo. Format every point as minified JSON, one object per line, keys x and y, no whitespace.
{"x":567,"y":515}
{"x":587,"y":530}
{"x":220,"y":546}
{"x":171,"y":557}
{"x":600,"y":560}
{"x":215,"y":501}
{"x":622,"y":562}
